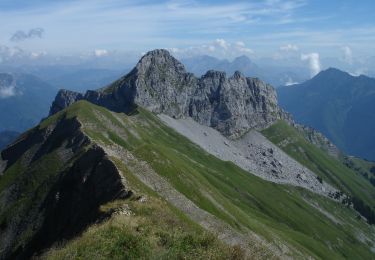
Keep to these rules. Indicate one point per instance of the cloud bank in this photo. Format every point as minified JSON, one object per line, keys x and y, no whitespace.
{"x":347,"y":54}
{"x":289,"y":47}
{"x":100,"y":52}
{"x":218,"y":48}
{"x":6,"y":92}
{"x":314,"y":62}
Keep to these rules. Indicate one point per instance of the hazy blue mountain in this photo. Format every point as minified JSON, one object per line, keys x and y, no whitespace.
{"x":201,"y":64}
{"x":272,"y":74}
{"x":339,"y":105}
{"x":73,"y":77}
{"x":84,"y":79}
{"x":6,"y":137}
{"x":24,"y":101}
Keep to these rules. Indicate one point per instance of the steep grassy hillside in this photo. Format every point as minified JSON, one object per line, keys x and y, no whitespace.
{"x":295,"y":222}
{"x":328,"y":168}
{"x":363,"y":167}
{"x":144,"y":228}
{"x":277,"y":213}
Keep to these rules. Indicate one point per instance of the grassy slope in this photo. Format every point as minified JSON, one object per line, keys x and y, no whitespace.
{"x":363,"y":164}
{"x":330,"y":169}
{"x":363,"y":167}
{"x":276,"y":212}
{"x":152,"y":230}
{"x":35,"y":183}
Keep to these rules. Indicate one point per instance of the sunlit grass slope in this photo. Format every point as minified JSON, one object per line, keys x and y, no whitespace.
{"x":307,"y":223}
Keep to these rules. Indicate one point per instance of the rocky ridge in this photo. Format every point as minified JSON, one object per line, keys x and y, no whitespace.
{"x":62,"y":178}
{"x":318,"y":139}
{"x":159,"y":82}
{"x":234,"y":106}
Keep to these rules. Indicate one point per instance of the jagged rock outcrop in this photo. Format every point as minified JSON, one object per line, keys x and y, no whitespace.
{"x":62,"y":178}
{"x":63,"y":99}
{"x":233,"y":105}
{"x":318,"y":139}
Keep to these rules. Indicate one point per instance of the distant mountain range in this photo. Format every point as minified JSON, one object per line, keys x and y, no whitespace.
{"x":339,"y":105}
{"x":24,"y":100}
{"x":72,"y":77}
{"x":272,"y":74}
{"x":84,"y":79}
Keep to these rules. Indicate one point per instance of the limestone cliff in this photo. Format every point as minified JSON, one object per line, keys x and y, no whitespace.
{"x":159,"y":82}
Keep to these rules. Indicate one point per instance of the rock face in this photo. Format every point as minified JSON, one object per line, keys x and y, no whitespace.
{"x":62,"y":178}
{"x":63,"y":99}
{"x":232,"y":105}
{"x":318,"y":139}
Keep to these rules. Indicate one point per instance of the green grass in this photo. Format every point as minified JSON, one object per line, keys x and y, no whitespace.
{"x":281,"y":214}
{"x":276,"y":212}
{"x":12,"y":173}
{"x":362,"y":167}
{"x":153,"y":231}
{"x":35,"y":182}
{"x":330,"y":169}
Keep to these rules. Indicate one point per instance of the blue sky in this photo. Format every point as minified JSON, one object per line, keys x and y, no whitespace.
{"x":225,"y":28}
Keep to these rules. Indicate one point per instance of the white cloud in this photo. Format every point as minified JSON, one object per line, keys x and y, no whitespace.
{"x":221,"y":43}
{"x":37,"y":54}
{"x":100,"y":52}
{"x":347,"y":54}
{"x":290,"y":82}
{"x":7,"y":91}
{"x":241,"y":47}
{"x":16,"y":54}
{"x":11,"y":53}
{"x":314,"y":62}
{"x":158,"y":24}
{"x":218,"y":48}
{"x":359,"y":72}
{"x":289,"y":47}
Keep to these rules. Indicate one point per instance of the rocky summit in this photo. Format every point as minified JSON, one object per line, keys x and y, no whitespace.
{"x":159,"y":82}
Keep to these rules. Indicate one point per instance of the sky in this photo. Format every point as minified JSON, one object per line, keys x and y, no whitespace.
{"x":311,"y":29}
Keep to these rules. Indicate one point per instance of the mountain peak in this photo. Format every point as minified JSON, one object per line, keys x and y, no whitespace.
{"x":160,"y":83}
{"x":242,"y":58}
{"x":215,"y":74}
{"x":158,"y":52}
{"x":160,"y":59}
{"x":332,"y":72}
